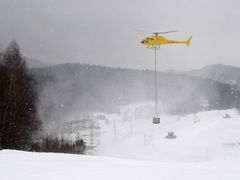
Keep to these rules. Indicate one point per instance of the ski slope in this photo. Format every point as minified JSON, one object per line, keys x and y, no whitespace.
{"x":17,"y":165}
{"x":206,"y":137}
{"x":206,"y":148}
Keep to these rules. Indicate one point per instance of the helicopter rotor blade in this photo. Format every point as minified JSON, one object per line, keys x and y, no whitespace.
{"x":165,"y":32}
{"x":142,"y":31}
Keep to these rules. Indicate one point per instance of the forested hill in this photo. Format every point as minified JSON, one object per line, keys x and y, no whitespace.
{"x":219,"y":72}
{"x":96,"y":88}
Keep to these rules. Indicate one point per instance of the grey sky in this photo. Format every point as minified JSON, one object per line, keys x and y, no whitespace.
{"x":102,"y":31}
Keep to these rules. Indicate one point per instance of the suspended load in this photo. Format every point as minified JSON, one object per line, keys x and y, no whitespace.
{"x":154,"y":42}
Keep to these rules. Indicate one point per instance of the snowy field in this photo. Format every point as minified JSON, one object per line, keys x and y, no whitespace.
{"x":16,"y":165}
{"x":204,"y":137}
{"x":206,"y":148}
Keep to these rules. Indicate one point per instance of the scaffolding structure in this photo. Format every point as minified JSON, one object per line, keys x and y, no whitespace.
{"x":86,"y":129}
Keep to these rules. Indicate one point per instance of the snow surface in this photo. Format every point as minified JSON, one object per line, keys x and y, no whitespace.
{"x":206,"y":137}
{"x":17,"y":165}
{"x":206,"y":148}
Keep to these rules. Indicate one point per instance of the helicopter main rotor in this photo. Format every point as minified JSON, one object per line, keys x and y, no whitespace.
{"x":156,"y":33}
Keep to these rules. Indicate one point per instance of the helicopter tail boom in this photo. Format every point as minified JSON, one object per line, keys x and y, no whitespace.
{"x":188,"y":41}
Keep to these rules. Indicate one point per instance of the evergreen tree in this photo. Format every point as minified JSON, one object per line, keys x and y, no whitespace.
{"x":18,"y":116}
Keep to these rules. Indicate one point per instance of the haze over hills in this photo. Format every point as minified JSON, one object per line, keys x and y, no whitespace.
{"x":222,"y":73}
{"x":218,"y":72}
{"x":35,"y":63}
{"x":68,"y":89}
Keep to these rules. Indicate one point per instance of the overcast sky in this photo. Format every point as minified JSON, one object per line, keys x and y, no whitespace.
{"x":102,"y":31}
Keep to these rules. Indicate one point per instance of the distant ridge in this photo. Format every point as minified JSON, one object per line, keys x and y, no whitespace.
{"x":218,"y":72}
{"x":35,"y":63}
{"x":84,"y":88}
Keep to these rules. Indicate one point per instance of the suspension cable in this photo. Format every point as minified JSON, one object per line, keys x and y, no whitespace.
{"x":156,"y":97}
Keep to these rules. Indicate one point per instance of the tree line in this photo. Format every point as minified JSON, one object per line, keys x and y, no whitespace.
{"x":18,"y":117}
{"x":20,"y":126}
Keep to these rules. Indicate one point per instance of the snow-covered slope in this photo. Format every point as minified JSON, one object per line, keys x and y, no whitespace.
{"x":206,"y":148}
{"x":17,"y":165}
{"x":205,"y":137}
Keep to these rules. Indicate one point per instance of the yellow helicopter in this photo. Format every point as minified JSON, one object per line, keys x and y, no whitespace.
{"x":156,"y":40}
